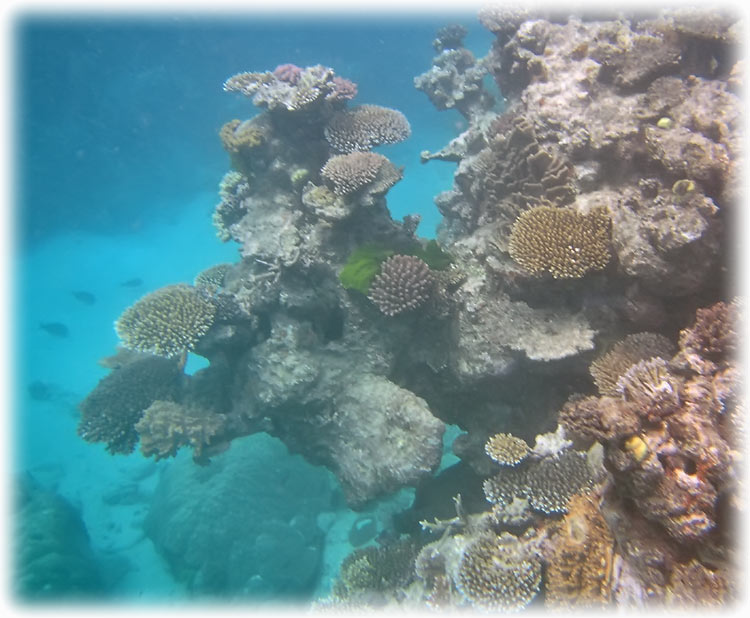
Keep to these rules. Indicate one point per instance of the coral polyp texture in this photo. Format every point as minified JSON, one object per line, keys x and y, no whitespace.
{"x":365,"y":127}
{"x":506,"y":449}
{"x":573,"y":298}
{"x":404,"y":283}
{"x":560,"y":241}
{"x":608,"y":368}
{"x":167,"y":322}
{"x":349,"y":173}
{"x":493,"y":576}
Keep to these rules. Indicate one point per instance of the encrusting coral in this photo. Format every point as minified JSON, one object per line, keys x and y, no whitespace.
{"x":167,"y":322}
{"x":404,"y":283}
{"x":560,"y":241}
{"x":166,"y":426}
{"x":366,"y":126}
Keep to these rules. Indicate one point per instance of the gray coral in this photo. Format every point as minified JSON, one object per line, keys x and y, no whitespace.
{"x":366,"y":126}
{"x":355,"y":171}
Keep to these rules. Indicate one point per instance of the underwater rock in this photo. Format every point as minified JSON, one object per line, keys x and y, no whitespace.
{"x":243,"y":527}
{"x":52,"y":555}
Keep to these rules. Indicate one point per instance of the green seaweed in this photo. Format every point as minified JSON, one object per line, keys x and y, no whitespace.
{"x":362,"y":266}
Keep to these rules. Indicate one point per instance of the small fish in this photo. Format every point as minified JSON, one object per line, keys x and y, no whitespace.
{"x":87,"y":298}
{"x":56,"y":329}
{"x":41,"y":391}
{"x":132,"y":283}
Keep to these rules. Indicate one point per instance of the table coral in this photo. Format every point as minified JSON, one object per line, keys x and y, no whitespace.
{"x":366,"y":126}
{"x":167,"y":322}
{"x":560,"y":241}
{"x":506,"y":449}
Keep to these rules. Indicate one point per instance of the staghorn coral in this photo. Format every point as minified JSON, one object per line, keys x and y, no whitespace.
{"x":506,"y":449}
{"x":355,"y":171}
{"x":560,"y":241}
{"x":403,"y":284}
{"x":212,"y":278}
{"x":166,"y":426}
{"x":495,"y":574}
{"x":366,"y":126}
{"x":607,"y":369}
{"x":579,"y":565}
{"x":167,"y":322}
{"x":109,"y":412}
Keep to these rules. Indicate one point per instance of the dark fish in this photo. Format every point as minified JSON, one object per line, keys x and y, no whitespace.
{"x":41,"y":391}
{"x":87,"y":298}
{"x":132,"y":283}
{"x":57,"y":329}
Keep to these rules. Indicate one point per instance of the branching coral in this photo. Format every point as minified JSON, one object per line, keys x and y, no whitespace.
{"x":366,"y":126}
{"x":166,"y":426}
{"x":349,"y":173}
{"x":403,"y":283}
{"x":109,"y":413}
{"x":506,"y":449}
{"x":495,"y":574}
{"x":292,"y":88}
{"x":651,"y":387}
{"x":212,"y":278}
{"x":609,"y":367}
{"x":167,"y":322}
{"x":579,"y":565}
{"x":560,"y":241}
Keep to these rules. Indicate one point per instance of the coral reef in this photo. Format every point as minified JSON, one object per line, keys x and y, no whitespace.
{"x":212,"y":278}
{"x":586,"y":232}
{"x":167,"y":322}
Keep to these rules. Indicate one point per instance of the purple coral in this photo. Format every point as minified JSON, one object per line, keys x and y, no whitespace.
{"x":289,"y":73}
{"x":404,"y":283}
{"x":343,"y":89}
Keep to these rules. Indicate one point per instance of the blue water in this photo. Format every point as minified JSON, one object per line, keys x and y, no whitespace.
{"x":118,"y":164}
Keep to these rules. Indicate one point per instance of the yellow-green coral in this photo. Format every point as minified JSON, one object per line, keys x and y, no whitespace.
{"x":237,"y":135}
{"x":167,"y":322}
{"x":560,"y":241}
{"x":506,"y":449}
{"x":212,"y":278}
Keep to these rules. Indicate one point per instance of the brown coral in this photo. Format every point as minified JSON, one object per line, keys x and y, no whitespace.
{"x":211,"y":279}
{"x":599,"y":418}
{"x":560,"y":241}
{"x":167,"y":322}
{"x":609,"y":367}
{"x":166,"y":426}
{"x":349,"y":173}
{"x":366,"y":126}
{"x":650,"y":385}
{"x":404,"y":283}
{"x":506,"y":449}
{"x":709,"y":344}
{"x":237,"y":136}
{"x":496,"y":574}
{"x":579,"y":567}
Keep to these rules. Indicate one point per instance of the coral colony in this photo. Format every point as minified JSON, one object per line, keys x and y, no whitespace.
{"x":574,"y":301}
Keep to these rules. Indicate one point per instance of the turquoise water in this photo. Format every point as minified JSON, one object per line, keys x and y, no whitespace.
{"x":119,"y":165}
